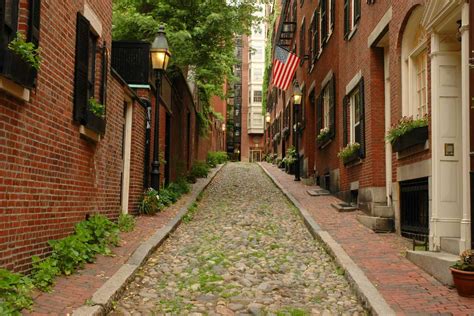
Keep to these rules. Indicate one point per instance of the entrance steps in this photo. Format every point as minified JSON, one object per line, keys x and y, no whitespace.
{"x":435,"y":263}
{"x":380,"y":219}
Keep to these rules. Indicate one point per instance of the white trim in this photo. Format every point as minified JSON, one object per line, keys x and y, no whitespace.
{"x":380,"y":27}
{"x":127,"y":157}
{"x":140,"y":86}
{"x":93,"y":20}
{"x":354,"y":81}
{"x":327,"y":78}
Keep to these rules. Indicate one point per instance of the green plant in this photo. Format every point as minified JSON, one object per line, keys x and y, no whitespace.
{"x":348,"y":151}
{"x":324,"y":135}
{"x":96,"y":108}
{"x":26,"y":50}
{"x":215,"y":158}
{"x":44,"y":272}
{"x":190,"y":214}
{"x":200,"y":169}
{"x":150,"y":203}
{"x":290,"y":157}
{"x":14,"y":292}
{"x":126,"y":222}
{"x":405,"y":125}
{"x":465,"y":262}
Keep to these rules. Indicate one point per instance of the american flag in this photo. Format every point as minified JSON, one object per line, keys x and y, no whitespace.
{"x":284,"y":67}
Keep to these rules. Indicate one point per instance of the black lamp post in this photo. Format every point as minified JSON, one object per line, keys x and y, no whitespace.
{"x":160,"y":56}
{"x":297,"y":95}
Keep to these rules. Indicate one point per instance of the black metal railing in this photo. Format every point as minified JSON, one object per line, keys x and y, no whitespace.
{"x":414,"y":208}
{"x":16,"y":69}
{"x":131,"y":59}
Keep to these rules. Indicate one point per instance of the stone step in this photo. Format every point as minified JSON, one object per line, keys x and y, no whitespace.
{"x":435,"y":263}
{"x":318,"y":192}
{"x":344,"y":207}
{"x":450,"y":245}
{"x":377,"y":224}
{"x":383,"y":211}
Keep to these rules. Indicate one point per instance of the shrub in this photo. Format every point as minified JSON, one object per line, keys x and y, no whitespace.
{"x":44,"y":272}
{"x":465,"y":262}
{"x":199,"y":170}
{"x":14,"y":292}
{"x":290,"y":157}
{"x":126,"y":222}
{"x":215,"y":158}
{"x":150,"y":203}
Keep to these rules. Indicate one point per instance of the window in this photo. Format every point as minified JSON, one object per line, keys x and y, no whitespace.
{"x":303,"y":40}
{"x":257,"y":96}
{"x":326,"y":108}
{"x":414,"y":67}
{"x":322,"y":26}
{"x":11,"y":65}
{"x":354,"y":128}
{"x":258,"y":74}
{"x":85,"y":76}
{"x":352,"y":12}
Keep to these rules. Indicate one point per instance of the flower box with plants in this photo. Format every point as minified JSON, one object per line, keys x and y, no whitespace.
{"x":323,"y":137}
{"x":285,"y":132}
{"x":350,"y":153}
{"x":463,"y":274}
{"x":95,"y":116}
{"x":276,"y":138}
{"x":21,"y":61}
{"x":408,"y":132}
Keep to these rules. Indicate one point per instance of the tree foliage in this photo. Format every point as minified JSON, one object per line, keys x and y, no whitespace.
{"x":201,"y":34}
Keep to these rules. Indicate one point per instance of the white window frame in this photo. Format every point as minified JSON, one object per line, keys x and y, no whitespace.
{"x":261,"y":96}
{"x":329,"y":15}
{"x":353,"y":122}
{"x":352,"y":15}
{"x":415,"y":108}
{"x":326,"y":105}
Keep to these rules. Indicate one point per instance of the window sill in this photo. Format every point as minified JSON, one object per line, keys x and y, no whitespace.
{"x":352,"y":33}
{"x":89,"y":134}
{"x":325,"y":144}
{"x":413,"y":150}
{"x":14,"y":89}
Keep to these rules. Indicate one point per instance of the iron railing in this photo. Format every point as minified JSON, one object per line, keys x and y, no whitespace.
{"x":131,"y":59}
{"x":414,"y":208}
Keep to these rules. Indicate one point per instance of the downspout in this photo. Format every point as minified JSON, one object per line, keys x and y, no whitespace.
{"x":146,"y":172}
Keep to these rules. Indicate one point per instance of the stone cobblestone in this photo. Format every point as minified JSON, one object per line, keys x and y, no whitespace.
{"x":245,"y":252}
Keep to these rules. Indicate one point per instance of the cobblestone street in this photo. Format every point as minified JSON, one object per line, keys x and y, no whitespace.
{"x":245,"y":252}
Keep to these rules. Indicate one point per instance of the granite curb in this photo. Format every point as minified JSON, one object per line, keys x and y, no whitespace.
{"x":363,"y":287}
{"x":102,"y":299}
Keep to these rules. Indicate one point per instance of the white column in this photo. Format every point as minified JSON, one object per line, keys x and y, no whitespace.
{"x":388,"y":123}
{"x":465,"y":242}
{"x":434,"y":237}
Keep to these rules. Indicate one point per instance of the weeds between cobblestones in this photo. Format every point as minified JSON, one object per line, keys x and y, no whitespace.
{"x":243,"y":251}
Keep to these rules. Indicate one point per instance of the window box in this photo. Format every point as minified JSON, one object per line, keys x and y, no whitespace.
{"x":416,"y":136}
{"x":352,"y":158}
{"x":16,"y":69}
{"x":286,"y":132}
{"x":95,"y":123}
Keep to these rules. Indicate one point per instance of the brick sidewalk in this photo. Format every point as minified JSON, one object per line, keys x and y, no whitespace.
{"x":72,"y":292}
{"x":404,"y":286}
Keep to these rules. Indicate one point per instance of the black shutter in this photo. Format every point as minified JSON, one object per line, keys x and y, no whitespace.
{"x":34,"y":22}
{"x":319,"y":114}
{"x":356,"y":11}
{"x":81,"y":71}
{"x":362,"y":118}
{"x":332,"y":106}
{"x":316,"y":36}
{"x":333,"y":14}
{"x":324,"y":21}
{"x":345,"y":108}
{"x":105,"y":72}
{"x":346,"y":18}
{"x":2,"y":23}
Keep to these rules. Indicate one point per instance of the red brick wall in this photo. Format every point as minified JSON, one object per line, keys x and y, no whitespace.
{"x":50,"y":177}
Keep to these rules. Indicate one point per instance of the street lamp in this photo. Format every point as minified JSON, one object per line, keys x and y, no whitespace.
{"x":223,"y":127}
{"x":160,"y":56}
{"x":268,"y":118}
{"x":297,"y":96}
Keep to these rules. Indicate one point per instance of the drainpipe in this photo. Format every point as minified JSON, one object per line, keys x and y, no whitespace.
{"x":388,"y":118}
{"x":146,"y":173}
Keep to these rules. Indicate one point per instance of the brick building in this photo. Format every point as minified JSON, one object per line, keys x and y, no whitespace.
{"x":365,"y":65}
{"x":59,"y":159}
